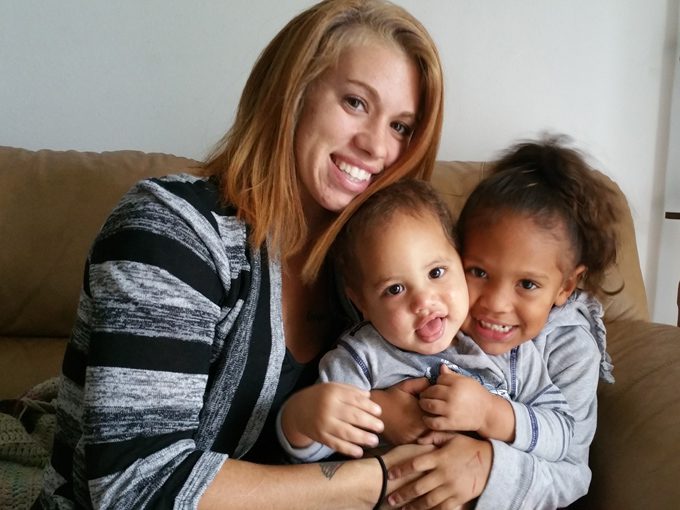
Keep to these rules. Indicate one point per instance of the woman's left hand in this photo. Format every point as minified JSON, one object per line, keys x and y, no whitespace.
{"x":450,"y":476}
{"x":401,"y":411}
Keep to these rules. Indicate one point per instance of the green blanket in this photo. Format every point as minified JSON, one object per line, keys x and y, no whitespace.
{"x":26,"y":432}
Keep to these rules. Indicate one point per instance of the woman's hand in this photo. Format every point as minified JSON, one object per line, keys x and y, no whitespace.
{"x":401,"y":412}
{"x":449,"y":476}
{"x":340,"y":416}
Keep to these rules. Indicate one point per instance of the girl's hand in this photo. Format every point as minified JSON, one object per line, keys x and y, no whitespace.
{"x":455,"y":403}
{"x":402,"y":415}
{"x":449,"y":476}
{"x":340,"y":416}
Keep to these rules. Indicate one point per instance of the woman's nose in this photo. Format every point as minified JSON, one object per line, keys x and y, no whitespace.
{"x":372,"y":140}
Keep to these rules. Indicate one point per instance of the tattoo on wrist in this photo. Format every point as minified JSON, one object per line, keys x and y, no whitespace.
{"x":329,"y":468}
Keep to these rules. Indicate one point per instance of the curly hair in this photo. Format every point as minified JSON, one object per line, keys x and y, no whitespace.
{"x":554,"y":185}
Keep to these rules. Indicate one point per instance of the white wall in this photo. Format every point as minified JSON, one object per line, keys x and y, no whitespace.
{"x":165,"y":75}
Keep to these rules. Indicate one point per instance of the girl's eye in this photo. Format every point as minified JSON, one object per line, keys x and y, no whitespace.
{"x":355,"y":103}
{"x":402,"y":129}
{"x":394,"y":290}
{"x":528,"y":285}
{"x":477,"y":272}
{"x":437,"y":272}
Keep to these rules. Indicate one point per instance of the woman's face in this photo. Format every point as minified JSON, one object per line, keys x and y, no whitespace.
{"x":356,"y":121}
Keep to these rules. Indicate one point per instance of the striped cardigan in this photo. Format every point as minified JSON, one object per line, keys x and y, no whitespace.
{"x":175,"y":355}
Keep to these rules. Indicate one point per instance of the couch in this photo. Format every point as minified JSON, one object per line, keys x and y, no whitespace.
{"x":52,"y":204}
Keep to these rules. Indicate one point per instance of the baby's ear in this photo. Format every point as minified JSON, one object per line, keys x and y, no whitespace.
{"x":569,"y":284}
{"x":355,"y":298}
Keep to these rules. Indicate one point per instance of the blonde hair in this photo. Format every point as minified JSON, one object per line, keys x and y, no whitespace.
{"x":255,"y":161}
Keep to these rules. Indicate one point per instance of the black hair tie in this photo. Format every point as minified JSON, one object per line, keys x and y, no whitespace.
{"x":383,"y":489}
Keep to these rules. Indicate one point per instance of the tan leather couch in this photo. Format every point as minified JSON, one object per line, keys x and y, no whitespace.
{"x":53,"y":203}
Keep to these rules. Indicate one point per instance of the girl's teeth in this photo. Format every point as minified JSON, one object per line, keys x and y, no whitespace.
{"x":495,"y":327}
{"x":354,"y":172}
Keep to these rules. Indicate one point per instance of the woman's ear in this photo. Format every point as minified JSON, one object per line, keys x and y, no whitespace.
{"x":569,"y":284}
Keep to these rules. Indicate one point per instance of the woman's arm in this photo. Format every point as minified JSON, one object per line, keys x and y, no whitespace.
{"x":329,"y":485}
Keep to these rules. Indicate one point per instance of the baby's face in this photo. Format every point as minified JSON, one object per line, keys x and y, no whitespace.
{"x":516,"y":272}
{"x":412,"y":284}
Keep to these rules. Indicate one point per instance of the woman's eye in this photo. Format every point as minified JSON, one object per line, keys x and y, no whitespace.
{"x":437,"y":272}
{"x":528,"y":285}
{"x":402,"y":129}
{"x":355,"y":103}
{"x":395,"y":289}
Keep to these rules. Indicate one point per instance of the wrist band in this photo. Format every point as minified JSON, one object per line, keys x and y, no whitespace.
{"x":383,"y":489}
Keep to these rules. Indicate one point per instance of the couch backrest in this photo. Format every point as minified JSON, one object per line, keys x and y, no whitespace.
{"x":52,"y":204}
{"x":455,"y":181}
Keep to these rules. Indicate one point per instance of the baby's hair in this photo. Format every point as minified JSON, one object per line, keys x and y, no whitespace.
{"x":554,"y":185}
{"x":411,"y":196}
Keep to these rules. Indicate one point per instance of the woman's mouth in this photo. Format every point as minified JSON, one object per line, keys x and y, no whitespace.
{"x":354,"y":173}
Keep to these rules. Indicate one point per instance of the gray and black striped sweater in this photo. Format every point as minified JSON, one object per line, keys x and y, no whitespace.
{"x":175,"y":356}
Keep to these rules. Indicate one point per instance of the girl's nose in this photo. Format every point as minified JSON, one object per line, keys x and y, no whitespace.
{"x":496,"y":298}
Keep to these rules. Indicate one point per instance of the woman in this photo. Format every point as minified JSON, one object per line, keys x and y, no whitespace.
{"x":195,"y":322}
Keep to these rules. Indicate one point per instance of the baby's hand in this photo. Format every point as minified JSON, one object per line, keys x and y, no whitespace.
{"x":340,"y":416}
{"x":455,"y":403}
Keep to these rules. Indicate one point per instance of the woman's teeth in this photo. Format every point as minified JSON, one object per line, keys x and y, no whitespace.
{"x":356,"y":173}
{"x":495,"y":327}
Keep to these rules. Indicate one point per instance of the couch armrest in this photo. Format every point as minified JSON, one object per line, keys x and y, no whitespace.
{"x":635,"y":456}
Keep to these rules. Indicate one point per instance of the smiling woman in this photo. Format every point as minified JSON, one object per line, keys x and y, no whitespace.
{"x":195,"y":324}
{"x":355,"y":123}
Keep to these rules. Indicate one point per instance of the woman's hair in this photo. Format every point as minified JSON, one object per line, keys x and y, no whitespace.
{"x":413,"y":197}
{"x":555,"y":186}
{"x":255,"y":161}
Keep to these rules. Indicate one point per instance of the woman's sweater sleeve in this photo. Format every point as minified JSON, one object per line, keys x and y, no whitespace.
{"x":145,"y":335}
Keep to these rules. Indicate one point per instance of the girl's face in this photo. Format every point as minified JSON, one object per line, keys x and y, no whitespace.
{"x":356,"y":121}
{"x":412,"y":284}
{"x":516,"y":271}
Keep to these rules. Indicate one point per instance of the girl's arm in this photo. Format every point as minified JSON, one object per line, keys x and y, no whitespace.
{"x":512,"y":478}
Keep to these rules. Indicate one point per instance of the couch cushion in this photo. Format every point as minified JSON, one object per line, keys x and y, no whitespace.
{"x":455,"y":181}
{"x":634,"y":456}
{"x":25,"y":362}
{"x":53,"y":204}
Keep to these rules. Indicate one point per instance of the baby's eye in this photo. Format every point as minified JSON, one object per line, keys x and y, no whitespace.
{"x":527,"y":285}
{"x":437,"y":272}
{"x":402,"y":129}
{"x":394,"y":290}
{"x":355,"y":103}
{"x":476,"y":272}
